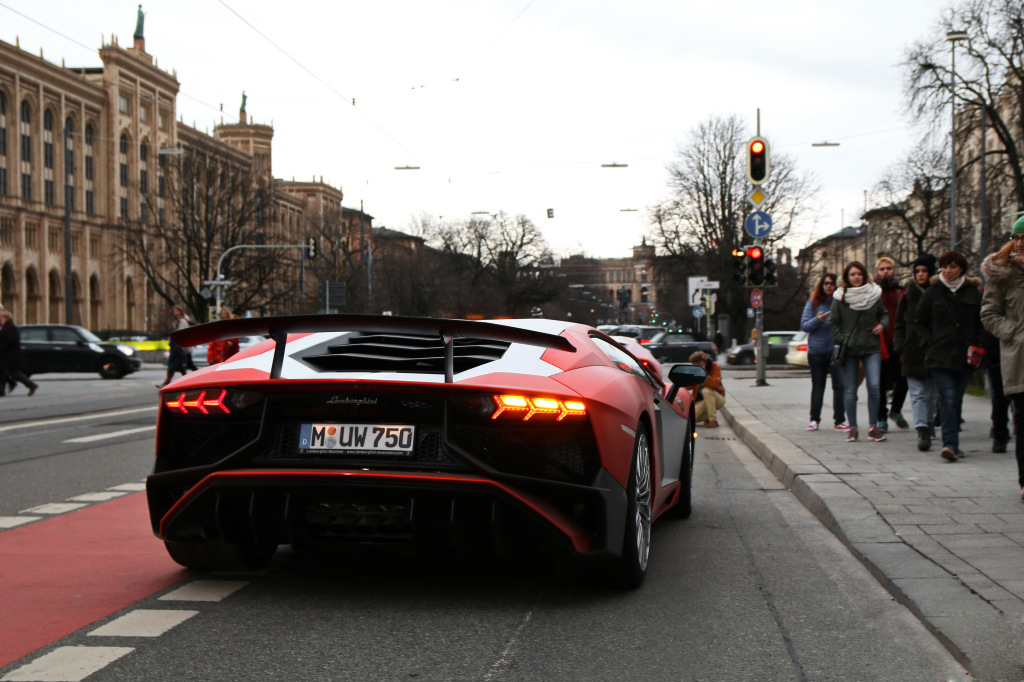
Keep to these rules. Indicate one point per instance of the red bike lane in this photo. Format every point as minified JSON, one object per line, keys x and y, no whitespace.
{"x":61,"y":574}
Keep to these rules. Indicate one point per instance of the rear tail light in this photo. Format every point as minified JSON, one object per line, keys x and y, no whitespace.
{"x":207,"y":401}
{"x":530,"y":406}
{"x":802,"y":347}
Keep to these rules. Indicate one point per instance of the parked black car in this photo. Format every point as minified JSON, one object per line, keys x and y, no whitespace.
{"x":677,"y":346}
{"x":778,"y":346}
{"x":70,"y":348}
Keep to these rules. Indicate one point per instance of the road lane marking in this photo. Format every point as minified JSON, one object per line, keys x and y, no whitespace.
{"x":68,"y":420}
{"x":68,"y":663}
{"x":129,"y":487}
{"x":12,"y":521}
{"x":205,"y":590}
{"x":96,"y":497}
{"x":53,"y":508}
{"x":143,"y":623}
{"x":112,"y":434}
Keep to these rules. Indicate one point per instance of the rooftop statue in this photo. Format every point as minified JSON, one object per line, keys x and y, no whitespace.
{"x":139,"y":22}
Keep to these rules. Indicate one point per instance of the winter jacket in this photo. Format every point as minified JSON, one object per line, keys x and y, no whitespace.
{"x":1002,"y":313}
{"x":712,"y":382}
{"x":905,"y":339}
{"x":819,"y":336}
{"x":948,"y":323}
{"x":11,"y":359}
{"x":892,"y":294}
{"x":853,"y":327}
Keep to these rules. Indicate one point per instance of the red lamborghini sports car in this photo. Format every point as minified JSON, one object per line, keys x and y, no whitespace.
{"x":423,"y":434}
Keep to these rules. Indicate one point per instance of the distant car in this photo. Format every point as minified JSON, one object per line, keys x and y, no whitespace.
{"x":673,"y":346}
{"x":70,"y":348}
{"x":797,"y":351}
{"x":778,"y":345}
{"x":349,"y":431}
{"x":199,"y":352}
{"x":642,"y":333}
{"x":641,"y":353}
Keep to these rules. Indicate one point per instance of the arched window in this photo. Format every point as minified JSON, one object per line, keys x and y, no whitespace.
{"x":48,"y":120}
{"x":3,"y":103}
{"x":32,"y":296}
{"x":56,"y":297}
{"x":26,"y":111}
{"x":8,"y":287}
{"x":144,"y":151}
{"x":95,"y":299}
{"x":76,"y":298}
{"x":88,"y":134}
{"x":124,"y":144}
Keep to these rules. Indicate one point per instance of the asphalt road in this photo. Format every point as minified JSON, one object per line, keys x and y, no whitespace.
{"x":751,"y":587}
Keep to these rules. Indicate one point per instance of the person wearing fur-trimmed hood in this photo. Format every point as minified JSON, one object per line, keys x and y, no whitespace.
{"x":948,"y":324}
{"x":1002,"y":313}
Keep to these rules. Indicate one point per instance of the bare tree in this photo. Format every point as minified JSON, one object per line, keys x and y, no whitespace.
{"x":202,"y":205}
{"x":989,"y":80}
{"x":699,"y":225}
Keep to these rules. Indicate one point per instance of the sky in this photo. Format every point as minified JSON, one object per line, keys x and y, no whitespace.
{"x":515,"y":105}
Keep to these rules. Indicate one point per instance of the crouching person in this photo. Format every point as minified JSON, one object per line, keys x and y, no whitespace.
{"x":710,"y":397}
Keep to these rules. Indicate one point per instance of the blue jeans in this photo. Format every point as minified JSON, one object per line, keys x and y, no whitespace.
{"x":821,"y":369}
{"x":923,"y":401}
{"x":872,"y":377}
{"x":951,"y":386}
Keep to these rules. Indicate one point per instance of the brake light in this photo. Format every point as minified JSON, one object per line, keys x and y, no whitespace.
{"x":802,"y":347}
{"x":210,"y":401}
{"x":644,"y":340}
{"x":534,"y":405}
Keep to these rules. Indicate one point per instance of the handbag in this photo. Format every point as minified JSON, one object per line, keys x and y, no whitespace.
{"x":839,"y":354}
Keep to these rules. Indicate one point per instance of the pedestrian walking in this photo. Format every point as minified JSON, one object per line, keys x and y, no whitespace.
{"x":820,"y":344}
{"x":219,"y":351}
{"x":710,"y":397}
{"x":1002,"y":313}
{"x":179,"y":359}
{"x":12,"y":362}
{"x":923,"y":397}
{"x":857,"y":321}
{"x":892,"y":378}
{"x":948,"y":323}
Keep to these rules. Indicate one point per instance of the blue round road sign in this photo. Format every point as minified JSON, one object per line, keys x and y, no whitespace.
{"x":758,"y":224}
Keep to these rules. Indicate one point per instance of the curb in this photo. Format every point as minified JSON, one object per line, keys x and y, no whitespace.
{"x":958,"y":617}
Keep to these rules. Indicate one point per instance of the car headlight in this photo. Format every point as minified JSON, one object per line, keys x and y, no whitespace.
{"x":126,"y":349}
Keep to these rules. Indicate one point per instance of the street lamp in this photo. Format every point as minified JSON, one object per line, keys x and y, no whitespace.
{"x":953,"y":37}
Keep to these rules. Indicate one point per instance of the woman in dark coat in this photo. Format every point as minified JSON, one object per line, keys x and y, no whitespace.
{"x":923,"y":397}
{"x":11,"y":360}
{"x":948,"y":323}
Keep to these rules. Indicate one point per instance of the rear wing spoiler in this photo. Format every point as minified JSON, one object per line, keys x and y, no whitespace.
{"x":278,"y":328}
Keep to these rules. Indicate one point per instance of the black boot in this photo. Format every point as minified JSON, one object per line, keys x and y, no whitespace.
{"x":924,"y":438}
{"x":999,"y":442}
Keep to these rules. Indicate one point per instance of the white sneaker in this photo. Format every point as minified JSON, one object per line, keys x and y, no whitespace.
{"x":813,"y":426}
{"x":842,"y":427}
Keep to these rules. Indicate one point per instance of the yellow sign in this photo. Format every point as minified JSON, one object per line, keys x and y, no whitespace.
{"x":757,"y":197}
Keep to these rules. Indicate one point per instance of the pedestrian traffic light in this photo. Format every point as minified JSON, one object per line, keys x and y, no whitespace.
{"x":311,"y":248}
{"x":758,"y":168}
{"x":755,"y":258}
{"x":770,"y":278}
{"x":739,"y":266}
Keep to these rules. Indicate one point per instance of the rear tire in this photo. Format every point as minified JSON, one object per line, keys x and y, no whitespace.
{"x":628,"y":570}
{"x":213,"y":555}
{"x":111,"y":369}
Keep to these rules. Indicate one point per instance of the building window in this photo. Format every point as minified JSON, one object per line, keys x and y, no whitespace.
{"x":26,"y":148}
{"x":144,"y":212}
{"x":143,"y":112}
{"x":54,"y":238}
{"x":76,"y":242}
{"x":26,"y":112}
{"x":6,"y":231}
{"x":161,"y":186}
{"x":3,"y":182}
{"x":3,"y":103}
{"x":32,"y":236}
{"x":90,"y":202}
{"x":124,"y":208}
{"x":26,"y":186}
{"x":161,"y":215}
{"x":48,"y":193}
{"x":144,"y":151}
{"x":88,"y":134}
{"x":124,"y":144}
{"x":48,"y":120}
{"x":143,"y":181}
{"x":90,"y":170}
{"x":94,"y":246}
{"x":3,"y":141}
{"x":124,"y":174}
{"x":69,"y":197}
{"x":48,"y":154}
{"x":122,"y":103}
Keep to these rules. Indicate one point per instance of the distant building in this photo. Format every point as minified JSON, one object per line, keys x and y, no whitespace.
{"x":600,"y":279}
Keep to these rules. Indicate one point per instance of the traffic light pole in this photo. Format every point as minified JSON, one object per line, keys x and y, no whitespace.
{"x":220,"y":261}
{"x":761,"y":345}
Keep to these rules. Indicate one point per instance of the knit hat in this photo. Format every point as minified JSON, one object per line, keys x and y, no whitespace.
{"x":1018,"y":227}
{"x":928,"y":260}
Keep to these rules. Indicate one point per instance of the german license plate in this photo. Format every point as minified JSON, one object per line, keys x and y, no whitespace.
{"x":395,"y":439}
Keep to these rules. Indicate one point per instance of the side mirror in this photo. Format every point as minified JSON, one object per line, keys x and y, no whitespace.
{"x":684,"y":376}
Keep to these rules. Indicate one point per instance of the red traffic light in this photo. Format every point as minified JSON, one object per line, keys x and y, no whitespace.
{"x":755,"y":252}
{"x":756,"y":147}
{"x":758,"y":167}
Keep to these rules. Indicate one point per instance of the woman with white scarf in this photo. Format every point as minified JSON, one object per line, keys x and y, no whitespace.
{"x":948,"y":323}
{"x":858,"y":319}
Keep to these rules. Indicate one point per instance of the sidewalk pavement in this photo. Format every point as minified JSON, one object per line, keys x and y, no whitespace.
{"x":945,"y":538}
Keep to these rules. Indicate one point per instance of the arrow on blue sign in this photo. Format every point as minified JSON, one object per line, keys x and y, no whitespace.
{"x":758,"y":224}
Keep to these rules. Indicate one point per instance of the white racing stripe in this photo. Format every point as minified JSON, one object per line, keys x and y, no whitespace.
{"x":67,"y":420}
{"x":112,"y":434}
{"x":68,"y":664}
